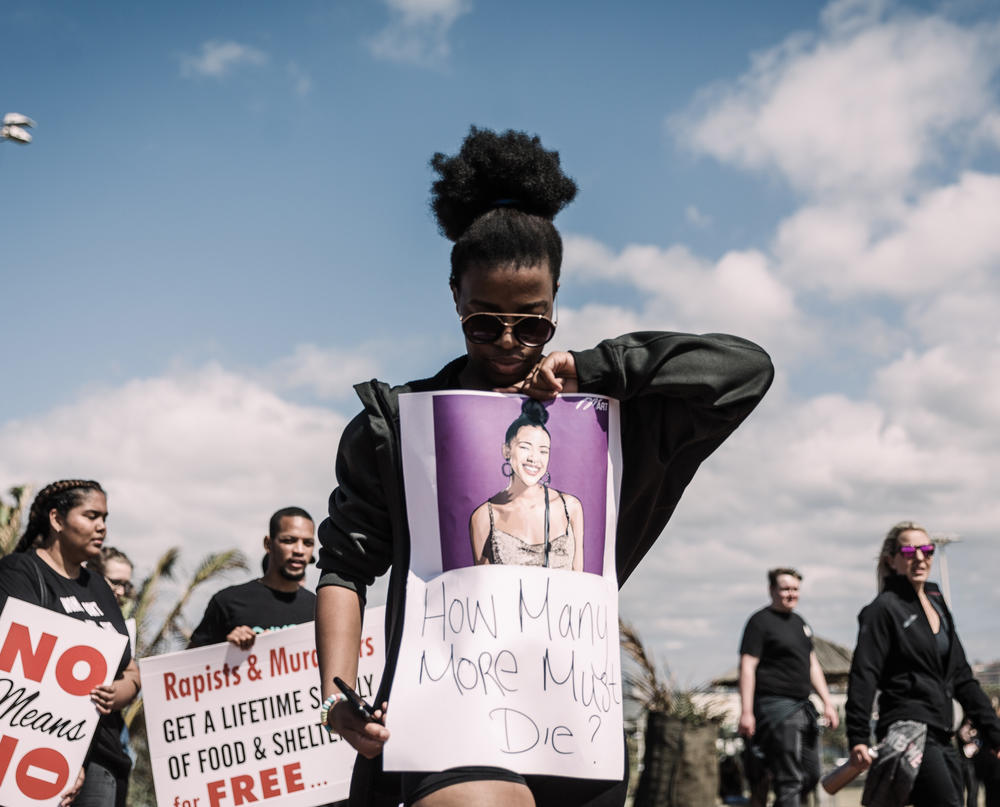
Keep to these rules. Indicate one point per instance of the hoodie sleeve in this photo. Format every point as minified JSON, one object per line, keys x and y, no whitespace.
{"x":356,"y":537}
{"x":874,"y":643}
{"x":682,"y":395}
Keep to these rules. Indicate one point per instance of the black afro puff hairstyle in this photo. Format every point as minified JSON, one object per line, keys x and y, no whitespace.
{"x":496,"y":200}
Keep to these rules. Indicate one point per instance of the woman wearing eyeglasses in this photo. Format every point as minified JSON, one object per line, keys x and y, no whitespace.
{"x":117,"y":569}
{"x":681,"y":396}
{"x":528,"y":523}
{"x":909,"y":651}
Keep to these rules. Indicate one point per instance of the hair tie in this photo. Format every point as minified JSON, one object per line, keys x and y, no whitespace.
{"x":506,"y":202}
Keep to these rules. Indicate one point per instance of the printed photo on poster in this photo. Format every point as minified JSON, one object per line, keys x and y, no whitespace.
{"x":512,"y":596}
{"x":517,"y":482}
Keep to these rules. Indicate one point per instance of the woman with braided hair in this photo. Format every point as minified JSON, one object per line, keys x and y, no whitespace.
{"x":67,"y":525}
{"x":681,"y":396}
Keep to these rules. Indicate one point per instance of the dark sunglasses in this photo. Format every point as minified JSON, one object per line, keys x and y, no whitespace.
{"x":910,"y":552}
{"x":531,"y":330}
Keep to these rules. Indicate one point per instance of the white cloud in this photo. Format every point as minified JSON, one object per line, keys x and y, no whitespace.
{"x":302,"y":83}
{"x":989,"y":129}
{"x":196,"y":458}
{"x":218,"y":59}
{"x":328,"y":373}
{"x":857,"y":110}
{"x":946,"y":239}
{"x":694,"y":216}
{"x":949,"y":397}
{"x":589,"y":324}
{"x":740,"y":293}
{"x":846,"y":17}
{"x":814,"y":484}
{"x":960,"y":317}
{"x":892,"y":266}
{"x":417,"y":31}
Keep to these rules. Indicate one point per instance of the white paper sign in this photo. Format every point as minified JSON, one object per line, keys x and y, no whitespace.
{"x":49,"y":663}
{"x":229,"y":727}
{"x":510,"y":641}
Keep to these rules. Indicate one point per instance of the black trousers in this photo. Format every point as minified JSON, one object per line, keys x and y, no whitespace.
{"x":791,"y":752}
{"x":939,"y":780}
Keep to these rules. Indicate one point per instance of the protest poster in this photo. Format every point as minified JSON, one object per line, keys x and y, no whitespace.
{"x":49,"y":663}
{"x":229,"y":727}
{"x":509,"y":654}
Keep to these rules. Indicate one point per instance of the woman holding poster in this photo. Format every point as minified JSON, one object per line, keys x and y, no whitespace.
{"x":528,"y":523}
{"x":680,"y":397}
{"x":66,"y":530}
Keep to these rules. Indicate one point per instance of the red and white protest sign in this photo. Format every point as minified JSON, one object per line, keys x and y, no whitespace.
{"x":228,"y":727}
{"x":49,"y":663}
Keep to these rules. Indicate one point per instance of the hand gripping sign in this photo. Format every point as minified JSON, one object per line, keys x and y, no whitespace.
{"x":49,"y":663}
{"x":228,"y":727}
{"x":509,"y":655}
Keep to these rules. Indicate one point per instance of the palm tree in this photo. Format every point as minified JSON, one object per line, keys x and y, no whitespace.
{"x":172,"y":634}
{"x":11,"y":516}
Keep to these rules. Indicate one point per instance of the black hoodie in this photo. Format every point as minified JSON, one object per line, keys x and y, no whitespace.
{"x":897,"y":654}
{"x":681,"y":396}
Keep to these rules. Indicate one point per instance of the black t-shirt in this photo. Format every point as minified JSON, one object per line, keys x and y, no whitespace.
{"x":782,"y":641}
{"x":25,"y":576}
{"x":255,"y":605}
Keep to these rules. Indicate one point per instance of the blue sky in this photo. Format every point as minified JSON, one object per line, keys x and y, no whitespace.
{"x":311,"y":154}
{"x":222,"y":223}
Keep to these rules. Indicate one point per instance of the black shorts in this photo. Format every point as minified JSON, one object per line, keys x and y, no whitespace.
{"x":548,"y":791}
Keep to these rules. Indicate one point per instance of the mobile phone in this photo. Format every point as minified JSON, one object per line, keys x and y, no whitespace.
{"x":364,"y":711}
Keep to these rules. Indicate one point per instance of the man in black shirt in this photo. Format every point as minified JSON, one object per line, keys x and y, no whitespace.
{"x":276,"y":600}
{"x":777,"y":668}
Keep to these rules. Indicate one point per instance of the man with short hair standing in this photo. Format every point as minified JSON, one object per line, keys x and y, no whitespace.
{"x":276,"y":600}
{"x":778,"y":667}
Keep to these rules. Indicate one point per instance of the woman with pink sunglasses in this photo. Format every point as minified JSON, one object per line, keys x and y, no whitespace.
{"x":909,"y":651}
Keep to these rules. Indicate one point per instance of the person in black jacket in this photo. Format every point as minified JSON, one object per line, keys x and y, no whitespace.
{"x":909,"y":651}
{"x":681,"y":397}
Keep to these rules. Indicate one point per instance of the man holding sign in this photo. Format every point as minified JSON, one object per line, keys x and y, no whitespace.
{"x":276,"y":600}
{"x":650,"y":407}
{"x":66,"y":528}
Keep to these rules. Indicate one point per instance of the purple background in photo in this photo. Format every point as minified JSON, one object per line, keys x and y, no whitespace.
{"x":469,"y":435}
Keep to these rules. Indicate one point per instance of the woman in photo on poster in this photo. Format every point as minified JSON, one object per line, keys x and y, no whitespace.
{"x":680,"y":397}
{"x":528,"y":523}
